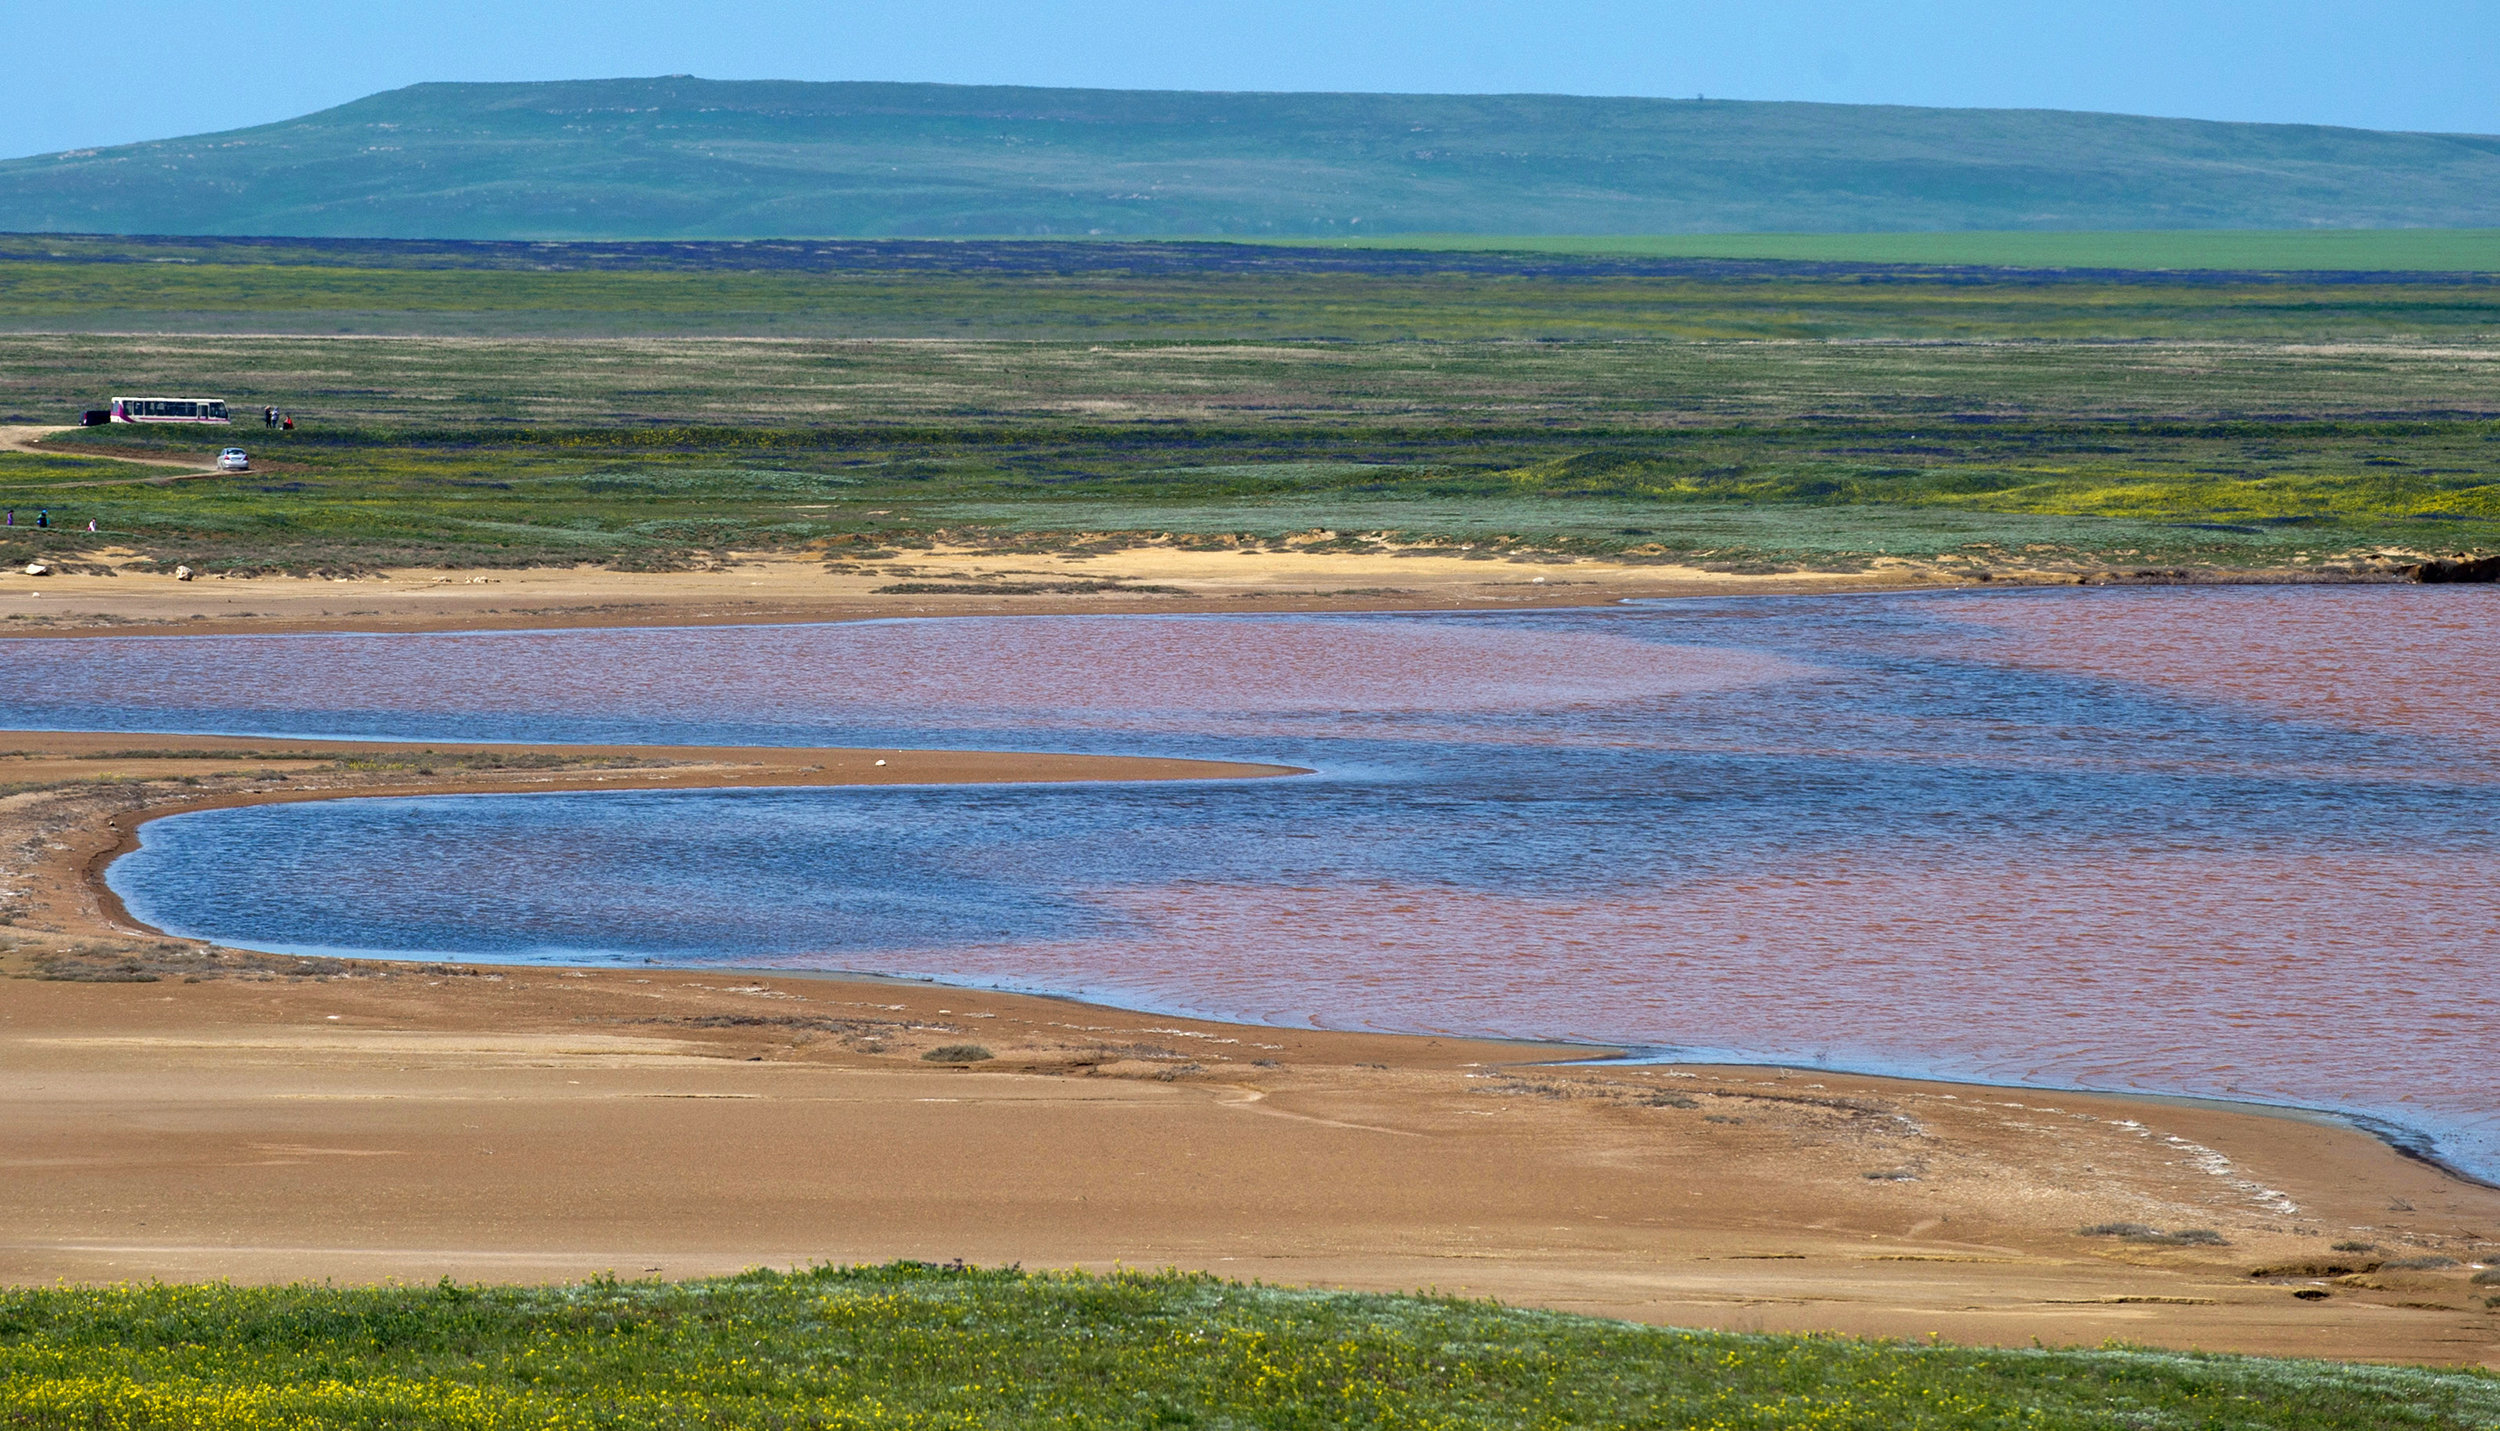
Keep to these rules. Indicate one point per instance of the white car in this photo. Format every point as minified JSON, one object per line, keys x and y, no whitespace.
{"x":234,"y":459}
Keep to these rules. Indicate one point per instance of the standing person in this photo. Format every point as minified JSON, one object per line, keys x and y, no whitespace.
{"x":269,"y":417}
{"x":13,"y":516}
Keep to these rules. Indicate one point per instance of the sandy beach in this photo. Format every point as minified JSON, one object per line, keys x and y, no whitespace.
{"x":763,"y":588}
{"x":180,"y":1113}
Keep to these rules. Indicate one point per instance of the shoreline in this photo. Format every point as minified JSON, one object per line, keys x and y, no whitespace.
{"x":781,"y":768}
{"x":724,"y":768}
{"x":750,"y":589}
{"x":2402,"y":1139}
{"x":2413,"y":1144}
{"x":597,"y":768}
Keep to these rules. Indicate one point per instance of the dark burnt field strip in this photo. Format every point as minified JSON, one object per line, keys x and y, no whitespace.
{"x":1129,"y":291}
{"x":955,"y":384}
{"x":1152,"y":257}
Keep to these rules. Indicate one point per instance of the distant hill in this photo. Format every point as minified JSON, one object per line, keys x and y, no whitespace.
{"x":690,"y":158}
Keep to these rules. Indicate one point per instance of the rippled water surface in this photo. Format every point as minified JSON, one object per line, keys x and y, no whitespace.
{"x":2229,"y":842}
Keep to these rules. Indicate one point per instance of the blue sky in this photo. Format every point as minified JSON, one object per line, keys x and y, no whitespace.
{"x":142,"y":69}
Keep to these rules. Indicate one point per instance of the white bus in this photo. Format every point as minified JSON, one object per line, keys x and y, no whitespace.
{"x":170,"y":410}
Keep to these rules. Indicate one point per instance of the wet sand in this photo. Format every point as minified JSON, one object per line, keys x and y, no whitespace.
{"x":416,"y":1122}
{"x":264,"y":1118}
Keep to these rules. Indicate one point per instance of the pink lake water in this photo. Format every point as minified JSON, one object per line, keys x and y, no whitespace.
{"x":2222,"y":842}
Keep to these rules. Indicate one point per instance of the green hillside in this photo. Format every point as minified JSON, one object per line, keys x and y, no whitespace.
{"x":682,"y":157}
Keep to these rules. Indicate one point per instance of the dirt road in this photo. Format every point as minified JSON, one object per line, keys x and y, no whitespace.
{"x":30,"y":439}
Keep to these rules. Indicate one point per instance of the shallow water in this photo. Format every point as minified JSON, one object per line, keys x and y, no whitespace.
{"x":2227,"y":842}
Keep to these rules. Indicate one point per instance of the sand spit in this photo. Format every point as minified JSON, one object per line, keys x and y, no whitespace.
{"x":1115,"y":575}
{"x":171,"y":1111}
{"x":73,"y":802}
{"x":764,"y":589}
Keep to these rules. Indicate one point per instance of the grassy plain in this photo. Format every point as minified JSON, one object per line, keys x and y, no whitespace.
{"x":910,"y":1345}
{"x":522,"y":404}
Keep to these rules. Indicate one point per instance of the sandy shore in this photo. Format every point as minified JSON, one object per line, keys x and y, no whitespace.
{"x":254,"y":1117}
{"x":943,"y":582}
{"x":408,"y":1122}
{"x":761,"y":588}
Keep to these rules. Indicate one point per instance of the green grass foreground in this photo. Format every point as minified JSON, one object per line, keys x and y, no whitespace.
{"x":909,"y":1345}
